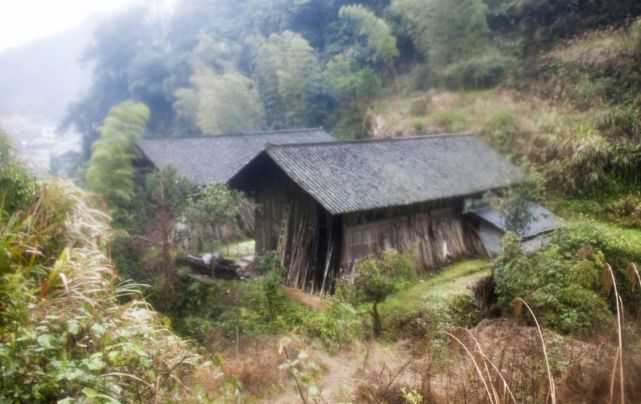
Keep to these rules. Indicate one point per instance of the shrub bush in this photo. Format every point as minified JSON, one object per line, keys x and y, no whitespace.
{"x":501,"y":128}
{"x":418,"y":124}
{"x":420,"y":107}
{"x":480,"y":72}
{"x":335,"y":326}
{"x":436,"y":315}
{"x":620,"y":248}
{"x":18,"y":187}
{"x":374,"y":280}
{"x":563,"y":282}
{"x":127,"y":258}
{"x":420,"y":77}
{"x":269,"y":263}
{"x":627,"y":210}
{"x":353,"y":123}
{"x":63,"y":335}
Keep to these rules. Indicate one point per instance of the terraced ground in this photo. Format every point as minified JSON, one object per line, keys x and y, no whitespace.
{"x":452,"y":280}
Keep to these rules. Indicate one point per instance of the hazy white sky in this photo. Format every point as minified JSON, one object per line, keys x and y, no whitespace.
{"x":22,"y":21}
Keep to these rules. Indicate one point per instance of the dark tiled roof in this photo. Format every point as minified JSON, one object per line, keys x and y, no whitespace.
{"x":352,"y":176}
{"x":541,"y":220}
{"x":205,"y":159}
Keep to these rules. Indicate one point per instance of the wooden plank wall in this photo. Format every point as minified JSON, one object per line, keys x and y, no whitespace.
{"x":309,"y":245}
{"x":433,"y":236}
{"x":317,"y":247}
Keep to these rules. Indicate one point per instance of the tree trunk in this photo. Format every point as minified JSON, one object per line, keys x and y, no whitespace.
{"x":378,"y":328}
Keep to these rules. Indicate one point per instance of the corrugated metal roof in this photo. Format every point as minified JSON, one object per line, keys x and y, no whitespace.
{"x":206,"y":159}
{"x":352,"y":176}
{"x":541,"y":220}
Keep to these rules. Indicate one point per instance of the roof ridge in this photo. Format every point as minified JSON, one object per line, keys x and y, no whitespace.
{"x":367,"y":141}
{"x":237,"y":134}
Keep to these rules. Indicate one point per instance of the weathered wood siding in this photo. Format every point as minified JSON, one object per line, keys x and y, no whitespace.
{"x":316,"y":247}
{"x":433,"y":234}
{"x":305,"y":236}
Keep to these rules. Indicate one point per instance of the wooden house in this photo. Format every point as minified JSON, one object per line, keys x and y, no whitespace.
{"x":324,"y":206}
{"x":216,"y":158}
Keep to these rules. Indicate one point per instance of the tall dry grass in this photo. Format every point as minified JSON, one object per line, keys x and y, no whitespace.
{"x":92,"y":279}
{"x":609,"y":284}
{"x":518,"y":303}
{"x":495,"y":385}
{"x":57,"y":244}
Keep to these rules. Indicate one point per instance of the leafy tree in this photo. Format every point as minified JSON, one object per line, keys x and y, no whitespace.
{"x":17,"y":185}
{"x":110,"y":172}
{"x":286,"y":71}
{"x":167,"y":197}
{"x":220,"y":103}
{"x":376,"y":32}
{"x":348,"y":82}
{"x":221,"y":56}
{"x":444,"y":31}
{"x":152,"y":80}
{"x":374,"y":287}
{"x":213,"y":214}
{"x":515,"y":204}
{"x":353,"y":87}
{"x":377,"y":279}
{"x":456,"y":32}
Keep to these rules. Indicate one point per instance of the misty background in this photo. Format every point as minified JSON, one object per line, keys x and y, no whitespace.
{"x":219,"y":66}
{"x":43,"y":69}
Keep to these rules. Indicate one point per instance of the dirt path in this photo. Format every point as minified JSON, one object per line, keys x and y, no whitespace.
{"x":377,"y":372}
{"x":315,"y":302}
{"x":369,"y":364}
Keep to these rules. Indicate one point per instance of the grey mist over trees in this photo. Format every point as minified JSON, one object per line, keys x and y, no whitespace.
{"x":217,"y":66}
{"x":229,"y":66}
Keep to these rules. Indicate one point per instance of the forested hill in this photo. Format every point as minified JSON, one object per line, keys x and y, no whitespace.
{"x":236,"y":65}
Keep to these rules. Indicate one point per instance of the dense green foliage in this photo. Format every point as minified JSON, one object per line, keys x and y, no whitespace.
{"x":375,"y":279}
{"x":538,"y":22}
{"x":228,"y":308}
{"x":287,"y":73}
{"x":564,"y":282}
{"x":270,"y":46}
{"x":63,"y":333}
{"x":374,"y":30}
{"x":450,"y":34}
{"x":17,"y":185}
{"x":214,"y":61}
{"x":220,"y":103}
{"x":213,"y":215}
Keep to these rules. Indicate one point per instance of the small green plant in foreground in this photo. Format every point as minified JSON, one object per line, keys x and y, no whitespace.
{"x":375,"y":279}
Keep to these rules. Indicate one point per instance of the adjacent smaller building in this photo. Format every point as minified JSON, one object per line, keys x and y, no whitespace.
{"x":534,"y":236}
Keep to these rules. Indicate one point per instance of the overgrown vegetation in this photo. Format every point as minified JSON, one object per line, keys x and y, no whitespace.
{"x":374,"y":280}
{"x":65,"y":333}
{"x":564,"y":282}
{"x":228,"y":309}
{"x":551,"y":84}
